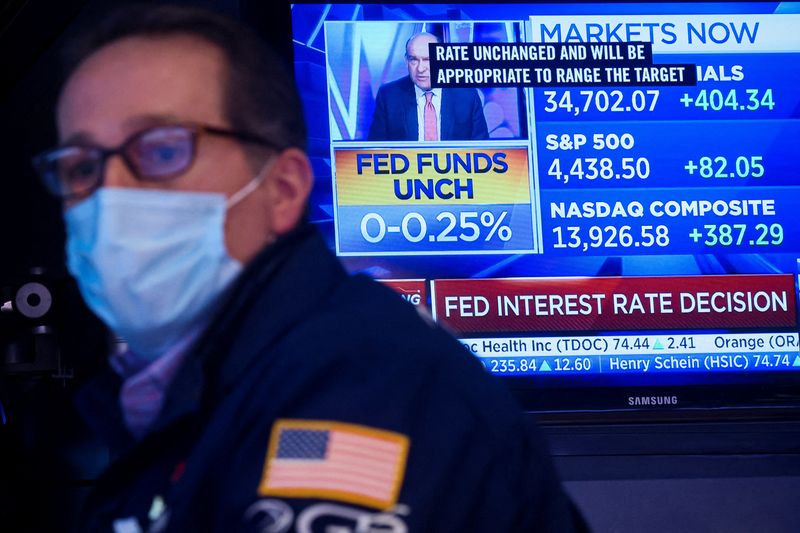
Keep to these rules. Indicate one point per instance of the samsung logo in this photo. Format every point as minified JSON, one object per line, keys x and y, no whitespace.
{"x":652,"y":400}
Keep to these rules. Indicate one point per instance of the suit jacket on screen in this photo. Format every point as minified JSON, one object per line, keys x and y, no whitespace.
{"x":395,"y":116}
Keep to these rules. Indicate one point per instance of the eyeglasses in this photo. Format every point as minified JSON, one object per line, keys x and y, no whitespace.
{"x":154,"y":154}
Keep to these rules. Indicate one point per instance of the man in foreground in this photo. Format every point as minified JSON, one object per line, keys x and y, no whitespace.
{"x":264,"y":389}
{"x":408,"y":109}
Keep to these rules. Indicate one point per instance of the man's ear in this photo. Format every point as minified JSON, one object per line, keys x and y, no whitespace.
{"x":288,"y":184}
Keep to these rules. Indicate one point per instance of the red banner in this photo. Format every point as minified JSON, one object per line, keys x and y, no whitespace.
{"x":615,"y":303}
{"x":414,"y":291}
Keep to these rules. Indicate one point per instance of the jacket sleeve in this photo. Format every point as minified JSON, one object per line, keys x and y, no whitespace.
{"x":512,"y":488}
{"x":378,"y":128}
{"x":489,"y":468}
{"x":471,"y":462}
{"x":479,"y":129}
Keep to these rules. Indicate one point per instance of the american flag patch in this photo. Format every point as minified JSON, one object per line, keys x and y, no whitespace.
{"x":336,"y":461}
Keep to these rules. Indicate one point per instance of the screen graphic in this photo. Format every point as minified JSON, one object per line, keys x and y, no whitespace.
{"x":587,"y":195}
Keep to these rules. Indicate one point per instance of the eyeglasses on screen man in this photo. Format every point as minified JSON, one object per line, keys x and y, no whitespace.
{"x":155,"y":154}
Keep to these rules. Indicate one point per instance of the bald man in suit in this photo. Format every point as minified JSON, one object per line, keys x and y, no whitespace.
{"x":408,"y":109}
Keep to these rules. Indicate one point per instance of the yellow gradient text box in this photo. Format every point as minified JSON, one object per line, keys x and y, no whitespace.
{"x":418,"y":176}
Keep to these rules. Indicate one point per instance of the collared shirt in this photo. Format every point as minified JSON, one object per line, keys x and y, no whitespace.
{"x":437,"y":105}
{"x":145,"y":384}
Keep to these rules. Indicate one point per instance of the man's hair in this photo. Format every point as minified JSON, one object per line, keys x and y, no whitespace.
{"x":259,"y":94}
{"x":420,"y":34}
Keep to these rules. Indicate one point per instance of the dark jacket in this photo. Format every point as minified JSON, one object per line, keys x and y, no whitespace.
{"x":395,"y":115}
{"x":297,"y":340}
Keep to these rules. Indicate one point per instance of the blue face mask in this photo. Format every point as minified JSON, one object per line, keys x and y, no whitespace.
{"x":151,"y":263}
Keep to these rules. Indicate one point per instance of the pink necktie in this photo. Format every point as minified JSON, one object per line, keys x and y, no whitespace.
{"x":430,"y":118}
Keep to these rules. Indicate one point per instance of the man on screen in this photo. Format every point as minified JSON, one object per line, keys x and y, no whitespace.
{"x":264,"y":389}
{"x":408,"y":109}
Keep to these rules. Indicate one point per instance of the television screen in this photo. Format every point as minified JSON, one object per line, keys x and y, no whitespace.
{"x":596,"y":199}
